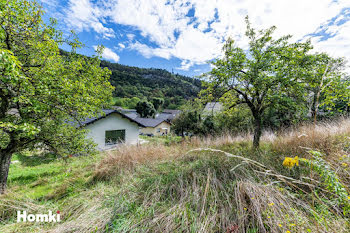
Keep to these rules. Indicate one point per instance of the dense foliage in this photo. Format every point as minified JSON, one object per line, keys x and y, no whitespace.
{"x":191,"y":121}
{"x":151,"y":83}
{"x":145,"y":109}
{"x":41,"y":91}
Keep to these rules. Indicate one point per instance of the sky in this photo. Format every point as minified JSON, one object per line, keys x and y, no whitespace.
{"x":184,"y":35}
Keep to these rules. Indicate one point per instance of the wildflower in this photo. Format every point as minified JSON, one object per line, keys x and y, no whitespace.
{"x":280,"y":225}
{"x":349,"y":197}
{"x":253,"y":198}
{"x":291,"y":162}
{"x":344,"y":164}
{"x":245,"y":208}
{"x":287,"y":231}
{"x":271,"y":204}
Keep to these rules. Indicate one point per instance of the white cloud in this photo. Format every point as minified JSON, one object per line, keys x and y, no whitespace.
{"x":130,"y":36}
{"x":196,"y":40}
{"x":109,"y":54}
{"x":338,"y":45}
{"x":83,"y":15}
{"x":121,"y":45}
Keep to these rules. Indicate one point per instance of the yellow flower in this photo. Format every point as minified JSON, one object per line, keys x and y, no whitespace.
{"x":287,"y":231}
{"x":271,"y":204}
{"x":268,"y":217}
{"x":344,"y":164}
{"x":291,"y":162}
{"x":280,"y":225}
{"x":349,"y":197}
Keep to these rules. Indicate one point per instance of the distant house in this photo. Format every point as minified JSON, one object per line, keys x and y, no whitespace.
{"x":154,"y":126}
{"x":212,"y":108}
{"x":168,"y":114}
{"x":160,"y":125}
{"x":112,"y":128}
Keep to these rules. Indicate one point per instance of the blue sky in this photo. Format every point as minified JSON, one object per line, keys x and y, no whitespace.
{"x":183,"y":35}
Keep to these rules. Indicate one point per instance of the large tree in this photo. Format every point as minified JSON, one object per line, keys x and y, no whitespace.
{"x":157,"y":103}
{"x":41,"y":91}
{"x":262,"y":76}
{"x":326,"y":82}
{"x":145,"y":109}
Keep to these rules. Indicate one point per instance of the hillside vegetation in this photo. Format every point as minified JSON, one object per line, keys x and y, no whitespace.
{"x":142,"y":83}
{"x":197,"y":185}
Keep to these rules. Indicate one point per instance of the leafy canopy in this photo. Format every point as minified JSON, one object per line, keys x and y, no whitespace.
{"x":265,"y":75}
{"x":326,"y":82}
{"x":145,"y":109}
{"x":41,"y":91}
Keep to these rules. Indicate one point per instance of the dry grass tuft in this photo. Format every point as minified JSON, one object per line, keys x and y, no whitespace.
{"x":127,"y":158}
{"x":228,"y":139}
{"x":90,"y":216}
{"x":84,"y":214}
{"x":321,"y":137}
{"x":9,"y":205}
{"x":267,"y":209}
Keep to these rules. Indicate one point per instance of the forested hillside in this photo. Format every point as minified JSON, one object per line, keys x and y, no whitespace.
{"x":148,"y":83}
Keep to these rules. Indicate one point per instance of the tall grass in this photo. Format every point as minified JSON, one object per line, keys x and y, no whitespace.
{"x":175,"y":188}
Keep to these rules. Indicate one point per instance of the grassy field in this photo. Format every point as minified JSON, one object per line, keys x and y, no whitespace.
{"x":198,"y":185}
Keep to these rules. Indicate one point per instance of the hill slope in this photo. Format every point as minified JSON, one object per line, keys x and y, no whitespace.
{"x":147,"y":83}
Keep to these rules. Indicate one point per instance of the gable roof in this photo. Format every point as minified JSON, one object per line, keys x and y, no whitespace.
{"x":150,"y":122}
{"x":107,"y":112}
{"x":172,"y":111}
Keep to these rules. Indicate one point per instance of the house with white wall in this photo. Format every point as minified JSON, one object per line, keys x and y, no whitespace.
{"x":111,"y":128}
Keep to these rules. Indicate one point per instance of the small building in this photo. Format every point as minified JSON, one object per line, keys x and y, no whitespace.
{"x":112,"y":128}
{"x":168,"y":114}
{"x":154,"y":126}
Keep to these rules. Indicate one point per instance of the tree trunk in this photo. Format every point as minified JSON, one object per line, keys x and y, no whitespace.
{"x":5,"y":159}
{"x":313,"y":107}
{"x":257,"y":131}
{"x":316,"y":104}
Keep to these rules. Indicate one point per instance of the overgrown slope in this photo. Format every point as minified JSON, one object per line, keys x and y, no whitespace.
{"x":198,"y":185}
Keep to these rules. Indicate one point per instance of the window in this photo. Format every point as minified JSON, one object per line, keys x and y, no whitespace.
{"x":114,"y":136}
{"x":158,"y":130}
